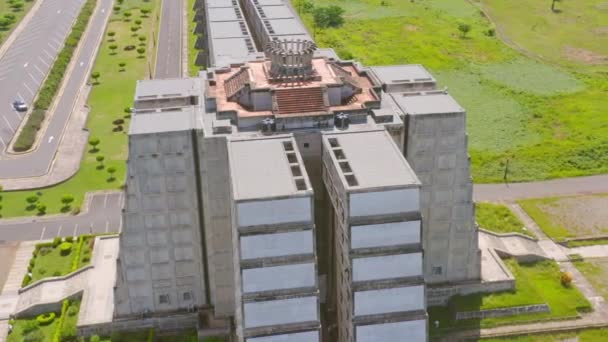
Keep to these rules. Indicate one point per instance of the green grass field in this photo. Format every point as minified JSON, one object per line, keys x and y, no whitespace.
{"x":589,"y":335}
{"x":193,"y":69}
{"x":107,"y":101}
{"x":596,"y":272}
{"x":45,"y":332}
{"x":5,"y":8}
{"x":498,"y":218}
{"x":545,"y":115}
{"x":535,"y":283}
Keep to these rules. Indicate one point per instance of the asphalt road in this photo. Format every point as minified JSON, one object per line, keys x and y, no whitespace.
{"x":29,"y":58}
{"x":169,"y":52}
{"x":38,"y":162}
{"x":103,"y":216}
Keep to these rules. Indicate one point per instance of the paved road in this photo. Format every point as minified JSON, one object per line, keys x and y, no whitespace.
{"x":103,"y":216}
{"x":557,"y":187}
{"x":169,"y":53}
{"x":38,"y":162}
{"x":29,"y":59}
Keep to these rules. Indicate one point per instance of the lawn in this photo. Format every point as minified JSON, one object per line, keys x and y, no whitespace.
{"x":570,"y":217}
{"x":498,"y":218}
{"x":6,"y":9}
{"x":28,"y":330}
{"x":546,"y":118}
{"x":108,"y":99}
{"x":536,"y":283}
{"x":193,"y":69}
{"x":589,"y":335}
{"x":596,"y":272}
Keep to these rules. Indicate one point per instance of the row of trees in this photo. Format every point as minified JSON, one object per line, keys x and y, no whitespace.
{"x":323,"y":16}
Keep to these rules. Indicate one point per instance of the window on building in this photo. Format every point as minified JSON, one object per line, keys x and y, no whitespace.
{"x":164,"y":299}
{"x":437,"y":270}
{"x":306,"y":145}
{"x":187,"y":296}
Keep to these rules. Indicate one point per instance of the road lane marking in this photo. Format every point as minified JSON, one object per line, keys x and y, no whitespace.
{"x":51,"y":139}
{"x":120,"y":224}
{"x":43,"y":230}
{"x":47,"y":54}
{"x":75,"y":228}
{"x":26,"y":64}
{"x":59,"y":231}
{"x":32,"y":77}
{"x":43,"y":61}
{"x":105,"y":201}
{"x":107,"y":226}
{"x":38,"y":69}
{"x":29,"y":89}
{"x":9,"y":124}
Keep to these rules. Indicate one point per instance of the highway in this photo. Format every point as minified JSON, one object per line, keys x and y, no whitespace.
{"x":29,"y":58}
{"x":169,"y":52}
{"x":38,"y":162}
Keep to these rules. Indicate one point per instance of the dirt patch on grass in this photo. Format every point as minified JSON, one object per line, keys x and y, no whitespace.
{"x":411,"y":28}
{"x":583,"y":216}
{"x":585,"y":56}
{"x":602,"y":5}
{"x":600,"y":31}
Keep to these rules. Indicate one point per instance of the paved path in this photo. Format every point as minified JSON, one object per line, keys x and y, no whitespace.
{"x":29,"y":58}
{"x":169,"y":52}
{"x":102,"y":216}
{"x":556,"y":187}
{"x":9,"y":295}
{"x":38,"y":162}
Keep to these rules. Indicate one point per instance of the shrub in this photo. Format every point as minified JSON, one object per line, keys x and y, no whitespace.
{"x":118,"y":121}
{"x":72,"y":311}
{"x":95,"y":338}
{"x":56,"y":241}
{"x":42,"y":270}
{"x":41,"y":208}
{"x":69,"y":239}
{"x":86,"y":258}
{"x":68,"y":333}
{"x":34,"y":336}
{"x":45,"y":250}
{"x":30,"y":325}
{"x":56,"y":274}
{"x":65,"y":248}
{"x":32,"y":199}
{"x":32,"y":262}
{"x":46,"y":318}
{"x":26,"y":280}
{"x":566,"y":279}
{"x":76,"y":211}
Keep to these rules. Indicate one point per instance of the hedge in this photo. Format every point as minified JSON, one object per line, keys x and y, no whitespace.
{"x":51,"y":85}
{"x":46,"y":318}
{"x":65,"y":248}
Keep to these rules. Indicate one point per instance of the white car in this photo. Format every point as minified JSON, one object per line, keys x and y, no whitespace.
{"x":20,"y":106}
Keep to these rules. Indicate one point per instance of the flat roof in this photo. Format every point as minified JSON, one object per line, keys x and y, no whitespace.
{"x":260,"y":168}
{"x":387,"y":267}
{"x":279,"y":312}
{"x":276,"y":245}
{"x":279,"y":277}
{"x":399,"y":299}
{"x":414,"y":330}
{"x":162,"y":122}
{"x":229,"y":50}
{"x":227,"y":29}
{"x":171,"y":87}
{"x":223,"y":14}
{"x":427,"y":103}
{"x":402,"y":73}
{"x":384,"y":234}
{"x":219,"y":3}
{"x":270,"y":2}
{"x":276,"y":12}
{"x":286,"y":26}
{"x":307,"y":336}
{"x":374,"y":159}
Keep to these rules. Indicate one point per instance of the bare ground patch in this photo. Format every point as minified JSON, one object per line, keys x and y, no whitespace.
{"x":585,"y":56}
{"x":600,"y":31}
{"x":583,"y":215}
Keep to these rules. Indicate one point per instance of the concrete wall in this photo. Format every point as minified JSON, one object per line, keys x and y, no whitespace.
{"x":160,"y":246}
{"x":266,"y":212}
{"x":436,"y":148}
{"x":383,"y":202}
{"x":161,"y":323}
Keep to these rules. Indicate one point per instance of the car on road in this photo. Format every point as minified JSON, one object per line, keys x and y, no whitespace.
{"x":20,"y":106}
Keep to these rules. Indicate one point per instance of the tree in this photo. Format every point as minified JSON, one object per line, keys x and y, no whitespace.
{"x":145,"y":12}
{"x":111,"y":34}
{"x":134,"y":29}
{"x":95,"y":75}
{"x":553,"y":5}
{"x":127,"y":15}
{"x":116,"y":9}
{"x":111,"y":171}
{"x":141,"y":51}
{"x":122,"y":65}
{"x":113,"y":47}
{"x":94,"y":142}
{"x":5,"y":23}
{"x":329,"y":16}
{"x":138,"y":22}
{"x":41,"y":208}
{"x":100,"y":159}
{"x":31,"y":199}
{"x":142,"y":40}
{"x":17,"y":6}
{"x":464,"y":28}
{"x":566,"y":279}
{"x":67,"y":199}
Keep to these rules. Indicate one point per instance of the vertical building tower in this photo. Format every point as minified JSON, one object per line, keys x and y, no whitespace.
{"x":377,"y":238}
{"x":277,"y":296}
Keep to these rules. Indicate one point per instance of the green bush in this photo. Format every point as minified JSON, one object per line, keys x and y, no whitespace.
{"x":26,"y":280}
{"x":69,"y":239}
{"x":32,"y":262}
{"x":46,"y":318}
{"x":65,"y":248}
{"x":56,"y":241}
{"x":34,"y":336}
{"x":30,"y":326}
{"x":68,"y":333}
{"x":95,"y":338}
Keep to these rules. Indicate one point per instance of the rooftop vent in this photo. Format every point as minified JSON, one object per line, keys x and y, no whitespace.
{"x":268,"y":126}
{"x":341,"y":121}
{"x":290,"y":58}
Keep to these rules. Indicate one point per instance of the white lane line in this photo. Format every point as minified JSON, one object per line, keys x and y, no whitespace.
{"x":47,"y":54}
{"x":29,"y":89}
{"x":75,"y":228}
{"x":105,"y":201}
{"x":43,"y":230}
{"x":2,"y":141}
{"x":120,"y":224}
{"x":19,"y":95}
{"x":33,"y":78}
{"x":43,"y":61}
{"x":59,"y":231}
{"x":107,"y":226}
{"x":38,"y":69}
{"x":9,"y":124}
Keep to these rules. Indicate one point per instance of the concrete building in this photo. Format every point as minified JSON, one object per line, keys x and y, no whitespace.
{"x":287,"y":195}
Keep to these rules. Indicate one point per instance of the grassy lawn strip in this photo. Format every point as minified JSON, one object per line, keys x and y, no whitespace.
{"x":588,"y":335}
{"x":108,"y":100}
{"x":193,"y":69}
{"x":51,"y":85}
{"x":29,"y":330}
{"x":596,"y":272}
{"x":49,"y":260}
{"x":498,"y":218}
{"x":536,"y":283}
{"x":583,"y":243}
{"x":11,"y":15}
{"x":554,"y":230}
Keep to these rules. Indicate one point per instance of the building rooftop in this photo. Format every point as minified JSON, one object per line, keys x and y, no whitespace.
{"x":225,"y":14}
{"x":436,"y":102}
{"x":264,"y":168}
{"x":402,"y":73}
{"x":219,"y":3}
{"x":279,"y":277}
{"x":175,"y":87}
{"x":371,"y":157}
{"x":162,"y":122}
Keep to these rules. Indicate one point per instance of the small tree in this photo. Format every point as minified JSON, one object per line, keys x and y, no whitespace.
{"x":31,"y":199}
{"x":67,"y":200}
{"x":464,"y":28}
{"x":330,"y":16}
{"x":111,"y":34}
{"x":113,"y":47}
{"x":116,"y":9}
{"x":95,"y":75}
{"x":134,"y":29}
{"x":41,"y":208}
{"x":142,"y":40}
{"x":127,"y":15}
{"x":137,"y":22}
{"x":141,"y":51}
{"x":94,"y":142}
{"x":17,"y":6}
{"x":553,"y":5}
{"x":145,"y":12}
{"x":122,"y":66}
{"x":100,"y":159}
{"x":111,"y":171}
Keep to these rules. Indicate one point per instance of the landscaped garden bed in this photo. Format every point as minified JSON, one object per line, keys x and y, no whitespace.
{"x":536,"y":283}
{"x":499,"y":219}
{"x":50,"y":326}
